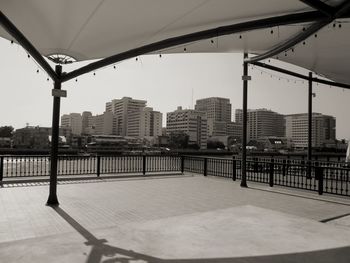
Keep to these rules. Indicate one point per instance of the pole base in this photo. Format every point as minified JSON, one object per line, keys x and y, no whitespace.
{"x":244,"y":184}
{"x":52,"y":201}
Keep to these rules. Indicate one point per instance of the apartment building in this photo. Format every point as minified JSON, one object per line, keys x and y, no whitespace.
{"x":323,"y":129}
{"x":192,"y":122}
{"x":218,"y":111}
{"x":72,"y":121}
{"x":262,"y":123}
{"x":127,"y":112}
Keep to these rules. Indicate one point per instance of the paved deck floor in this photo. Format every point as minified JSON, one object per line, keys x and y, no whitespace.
{"x":177,"y":219}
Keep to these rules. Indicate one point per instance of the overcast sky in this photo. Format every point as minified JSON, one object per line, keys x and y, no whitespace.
{"x":165,"y":83}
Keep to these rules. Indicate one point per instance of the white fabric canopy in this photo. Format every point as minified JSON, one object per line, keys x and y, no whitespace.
{"x":92,"y":29}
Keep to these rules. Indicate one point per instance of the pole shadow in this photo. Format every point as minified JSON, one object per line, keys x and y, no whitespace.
{"x":100,"y":249}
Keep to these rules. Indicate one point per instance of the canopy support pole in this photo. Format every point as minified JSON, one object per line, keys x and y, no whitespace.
{"x":52,"y":200}
{"x":304,"y":77}
{"x":341,"y":9}
{"x":321,"y":6}
{"x":305,"y":17}
{"x":309,"y":146}
{"x":27,"y":45}
{"x":245,"y":78}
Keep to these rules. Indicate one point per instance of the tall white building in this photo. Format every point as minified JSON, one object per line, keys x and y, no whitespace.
{"x":191,"y":122}
{"x":218,"y":112}
{"x":102,"y":124}
{"x":127,"y":112}
{"x":323,"y":129}
{"x":73,"y":121}
{"x":262,"y":123}
{"x":132,"y":118}
{"x":150,"y":123}
{"x":86,"y":122}
{"x":218,"y":109}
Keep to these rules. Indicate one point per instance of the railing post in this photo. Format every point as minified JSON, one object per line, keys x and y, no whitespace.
{"x":272,"y":167}
{"x":1,"y":168}
{"x":319,"y":176}
{"x":255,"y":165}
{"x":284,"y":168}
{"x":234,"y":170}
{"x":182,"y":164}
{"x":98,"y":166}
{"x":309,"y":169}
{"x":144,"y":164}
{"x":205,"y":166}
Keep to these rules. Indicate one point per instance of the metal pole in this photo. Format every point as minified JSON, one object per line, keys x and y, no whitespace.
{"x":52,"y":200}
{"x":1,"y":168}
{"x":309,"y":147}
{"x":244,"y":140}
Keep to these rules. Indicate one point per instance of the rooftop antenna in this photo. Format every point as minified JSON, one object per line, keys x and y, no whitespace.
{"x":192,"y":99}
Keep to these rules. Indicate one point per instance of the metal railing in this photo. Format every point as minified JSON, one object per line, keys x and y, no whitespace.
{"x":32,"y":166}
{"x":323,"y":177}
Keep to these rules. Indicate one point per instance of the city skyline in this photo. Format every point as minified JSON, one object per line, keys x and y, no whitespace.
{"x":167,"y":82}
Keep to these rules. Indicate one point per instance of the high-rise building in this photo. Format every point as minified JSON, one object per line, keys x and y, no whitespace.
{"x":127,"y":113}
{"x":323,"y":129}
{"x":132,"y":118}
{"x":218,"y":109}
{"x":86,"y":122}
{"x":73,"y":121}
{"x":191,"y":122}
{"x":262,"y":123}
{"x":150,"y":123}
{"x":234,"y":130}
{"x":102,"y":124}
{"x":218,"y":112}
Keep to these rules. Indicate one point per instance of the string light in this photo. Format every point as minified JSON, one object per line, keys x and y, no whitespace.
{"x":279,"y":77}
{"x":37,"y":71}
{"x":11,"y":42}
{"x":212,"y":41}
{"x":76,"y":80}
{"x":47,"y":79}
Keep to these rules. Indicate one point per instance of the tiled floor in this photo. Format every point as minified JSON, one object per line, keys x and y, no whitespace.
{"x":114,"y":206}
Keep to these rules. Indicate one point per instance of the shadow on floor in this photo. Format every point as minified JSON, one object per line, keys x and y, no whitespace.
{"x":27,"y":182}
{"x":100,"y":250}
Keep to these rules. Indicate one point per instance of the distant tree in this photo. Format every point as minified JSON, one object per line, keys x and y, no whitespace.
{"x":178,"y":140}
{"x":215,"y":144}
{"x":193,"y":146}
{"x":6,"y":131}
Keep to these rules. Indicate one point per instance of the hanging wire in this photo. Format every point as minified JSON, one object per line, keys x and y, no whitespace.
{"x":212,"y":41}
